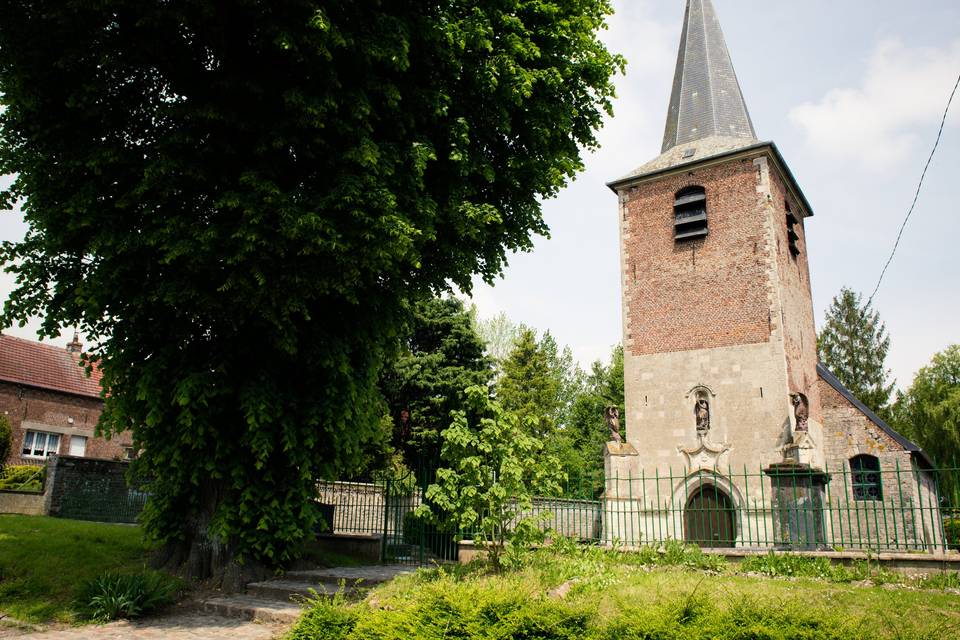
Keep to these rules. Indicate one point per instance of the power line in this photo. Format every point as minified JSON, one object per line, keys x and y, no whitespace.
{"x":917,"y":194}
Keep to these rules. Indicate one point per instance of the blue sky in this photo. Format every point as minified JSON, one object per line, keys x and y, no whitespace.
{"x":850,"y":90}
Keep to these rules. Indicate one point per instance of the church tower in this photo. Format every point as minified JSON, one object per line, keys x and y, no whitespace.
{"x":719,"y":341}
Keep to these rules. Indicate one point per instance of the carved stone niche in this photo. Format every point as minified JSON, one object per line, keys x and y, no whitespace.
{"x":704,"y":409}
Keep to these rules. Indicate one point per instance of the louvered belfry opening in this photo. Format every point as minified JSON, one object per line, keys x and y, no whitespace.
{"x":690,"y":214}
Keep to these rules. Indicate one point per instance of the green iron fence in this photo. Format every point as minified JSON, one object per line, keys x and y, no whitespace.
{"x":883,"y":507}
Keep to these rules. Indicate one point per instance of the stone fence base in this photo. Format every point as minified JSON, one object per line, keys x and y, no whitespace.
{"x":906,"y":563}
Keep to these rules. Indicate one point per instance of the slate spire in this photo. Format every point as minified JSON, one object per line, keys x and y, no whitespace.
{"x":706,"y":100}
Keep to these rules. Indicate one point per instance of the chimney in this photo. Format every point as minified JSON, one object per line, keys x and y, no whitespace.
{"x":75,"y":346}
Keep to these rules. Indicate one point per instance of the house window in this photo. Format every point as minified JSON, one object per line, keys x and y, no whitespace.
{"x":792,"y":236}
{"x":37,"y":444}
{"x":690,"y":214}
{"x":78,"y":446}
{"x":866,"y":478}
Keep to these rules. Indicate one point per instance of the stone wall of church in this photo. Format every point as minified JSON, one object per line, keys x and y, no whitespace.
{"x":907,"y":516}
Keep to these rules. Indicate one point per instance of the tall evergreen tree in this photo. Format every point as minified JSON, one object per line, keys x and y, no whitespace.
{"x":853,"y":344}
{"x":528,"y":386}
{"x":441,"y":356}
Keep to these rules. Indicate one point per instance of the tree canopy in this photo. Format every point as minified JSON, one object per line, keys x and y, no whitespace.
{"x":929,"y":414}
{"x":853,"y":343}
{"x":234,"y":202}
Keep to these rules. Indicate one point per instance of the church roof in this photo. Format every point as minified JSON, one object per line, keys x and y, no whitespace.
{"x":706,"y":99}
{"x":708,"y":116}
{"x":827,"y":376}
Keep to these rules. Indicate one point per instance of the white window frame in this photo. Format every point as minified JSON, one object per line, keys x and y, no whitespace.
{"x":32,"y":438}
{"x":81,"y":441}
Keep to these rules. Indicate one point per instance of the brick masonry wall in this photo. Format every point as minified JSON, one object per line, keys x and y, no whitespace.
{"x":795,"y":297}
{"x":34,"y":409}
{"x":709,"y":292}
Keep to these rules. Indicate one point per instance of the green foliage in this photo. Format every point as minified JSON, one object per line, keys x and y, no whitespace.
{"x":441,"y":356}
{"x":499,"y":334}
{"x":6,"y":440}
{"x":234,"y":204}
{"x":929,"y":414}
{"x":495,"y":469}
{"x":951,"y":531}
{"x":325,"y":619}
{"x":23,"y":478}
{"x":853,"y":345}
{"x":114,"y":595}
{"x":586,"y":430}
{"x":529,"y":384}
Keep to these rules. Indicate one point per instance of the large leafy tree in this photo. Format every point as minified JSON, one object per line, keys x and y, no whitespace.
{"x":853,"y":343}
{"x":929,"y":413}
{"x":234,"y":200}
{"x":440,"y":357}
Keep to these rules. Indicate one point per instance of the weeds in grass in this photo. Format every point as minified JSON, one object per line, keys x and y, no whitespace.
{"x":111,"y":595}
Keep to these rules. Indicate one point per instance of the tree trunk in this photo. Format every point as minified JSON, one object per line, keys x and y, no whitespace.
{"x":204,"y":557}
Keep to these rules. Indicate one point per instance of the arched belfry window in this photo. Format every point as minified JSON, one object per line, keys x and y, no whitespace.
{"x":690,"y":213}
{"x":866,"y":478}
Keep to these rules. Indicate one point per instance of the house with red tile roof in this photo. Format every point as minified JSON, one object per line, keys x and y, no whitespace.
{"x":52,"y":403}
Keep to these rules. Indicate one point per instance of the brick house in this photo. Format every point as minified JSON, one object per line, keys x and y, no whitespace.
{"x":736,"y":434}
{"x":51,"y":403}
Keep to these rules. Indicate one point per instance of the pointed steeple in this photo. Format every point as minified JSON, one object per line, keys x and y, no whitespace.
{"x":706,"y":100}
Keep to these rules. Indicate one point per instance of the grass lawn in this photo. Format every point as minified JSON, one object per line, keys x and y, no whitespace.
{"x":44,"y":560}
{"x":655,"y":595}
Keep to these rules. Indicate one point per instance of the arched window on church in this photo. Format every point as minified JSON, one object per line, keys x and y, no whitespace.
{"x":866,"y":477}
{"x":690,"y":213}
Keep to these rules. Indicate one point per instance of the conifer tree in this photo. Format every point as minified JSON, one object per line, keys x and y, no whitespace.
{"x":528,"y":385}
{"x":853,"y":345}
{"x":441,"y":356}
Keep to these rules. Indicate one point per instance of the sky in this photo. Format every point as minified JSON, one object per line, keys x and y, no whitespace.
{"x":852,"y":92}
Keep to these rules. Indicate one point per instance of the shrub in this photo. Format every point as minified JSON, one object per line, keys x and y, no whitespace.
{"x":412,"y":528}
{"x":112,"y":595}
{"x":6,"y":440}
{"x":325,"y":619}
{"x":23,"y":478}
{"x":951,"y":530}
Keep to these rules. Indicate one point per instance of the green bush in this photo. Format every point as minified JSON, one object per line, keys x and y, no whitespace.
{"x":447,"y":608}
{"x":23,"y":478}
{"x":951,"y":530}
{"x":112,"y":595}
{"x":6,"y":440}
{"x":412,"y":528}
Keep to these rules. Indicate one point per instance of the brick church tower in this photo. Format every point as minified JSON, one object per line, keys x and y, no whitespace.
{"x":719,"y":341}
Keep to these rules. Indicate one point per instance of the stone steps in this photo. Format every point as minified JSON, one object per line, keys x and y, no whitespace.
{"x":247,"y":607}
{"x":280,"y":599}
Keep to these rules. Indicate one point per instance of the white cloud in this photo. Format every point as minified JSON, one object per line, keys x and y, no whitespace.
{"x":876,"y":123}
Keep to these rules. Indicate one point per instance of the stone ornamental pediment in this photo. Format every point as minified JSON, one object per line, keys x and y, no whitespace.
{"x":705,"y":456}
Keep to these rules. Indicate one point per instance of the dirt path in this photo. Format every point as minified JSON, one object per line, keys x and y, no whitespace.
{"x":179,"y":625}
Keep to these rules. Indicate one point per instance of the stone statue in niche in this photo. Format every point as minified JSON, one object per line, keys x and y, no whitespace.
{"x":801,"y":410}
{"x":702,"y":411}
{"x":612,"y":416}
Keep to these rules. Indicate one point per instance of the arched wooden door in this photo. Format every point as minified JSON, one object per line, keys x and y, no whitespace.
{"x":709,"y":518}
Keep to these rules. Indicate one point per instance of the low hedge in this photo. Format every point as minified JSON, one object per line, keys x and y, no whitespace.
{"x":22,"y":478}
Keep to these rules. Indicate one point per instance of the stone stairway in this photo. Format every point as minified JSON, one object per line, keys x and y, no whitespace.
{"x":279,"y":600}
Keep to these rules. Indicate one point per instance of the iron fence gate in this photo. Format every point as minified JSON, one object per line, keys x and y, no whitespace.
{"x":407,"y":538}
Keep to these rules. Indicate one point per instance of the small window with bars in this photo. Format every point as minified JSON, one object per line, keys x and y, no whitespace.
{"x":866,"y":478}
{"x":690,"y":214}
{"x":792,"y":236}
